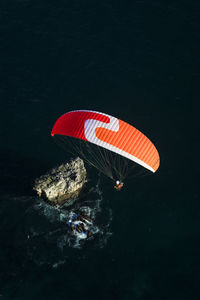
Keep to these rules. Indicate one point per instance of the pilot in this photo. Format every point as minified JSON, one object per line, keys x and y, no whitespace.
{"x":118,"y":185}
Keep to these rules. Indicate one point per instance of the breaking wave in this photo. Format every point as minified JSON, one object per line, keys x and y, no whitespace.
{"x":49,"y":238}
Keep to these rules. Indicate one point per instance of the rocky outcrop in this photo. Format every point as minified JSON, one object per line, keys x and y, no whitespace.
{"x":62,"y":184}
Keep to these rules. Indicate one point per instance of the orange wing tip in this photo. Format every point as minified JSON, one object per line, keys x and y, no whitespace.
{"x":156,"y":166}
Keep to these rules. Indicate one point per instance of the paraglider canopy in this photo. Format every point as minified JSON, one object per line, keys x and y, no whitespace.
{"x":109,"y":133}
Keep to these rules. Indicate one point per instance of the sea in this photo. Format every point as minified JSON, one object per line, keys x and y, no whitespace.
{"x":135,"y":60}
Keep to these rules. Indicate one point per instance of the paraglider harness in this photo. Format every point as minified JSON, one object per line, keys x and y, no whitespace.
{"x":118,"y":185}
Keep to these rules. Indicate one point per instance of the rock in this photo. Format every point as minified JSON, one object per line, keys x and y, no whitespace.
{"x":62,"y":184}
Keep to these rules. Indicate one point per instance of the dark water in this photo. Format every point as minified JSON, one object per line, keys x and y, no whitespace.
{"x":136,"y":60}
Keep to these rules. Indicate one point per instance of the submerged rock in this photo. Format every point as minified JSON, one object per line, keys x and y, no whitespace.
{"x":62,"y":184}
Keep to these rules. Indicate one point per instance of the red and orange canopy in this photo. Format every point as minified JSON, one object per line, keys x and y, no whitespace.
{"x":110,"y":133}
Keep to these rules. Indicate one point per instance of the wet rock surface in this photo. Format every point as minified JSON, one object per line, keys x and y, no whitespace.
{"x":62,"y":184}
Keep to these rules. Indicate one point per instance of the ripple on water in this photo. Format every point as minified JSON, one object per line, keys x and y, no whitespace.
{"x":48,"y":237}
